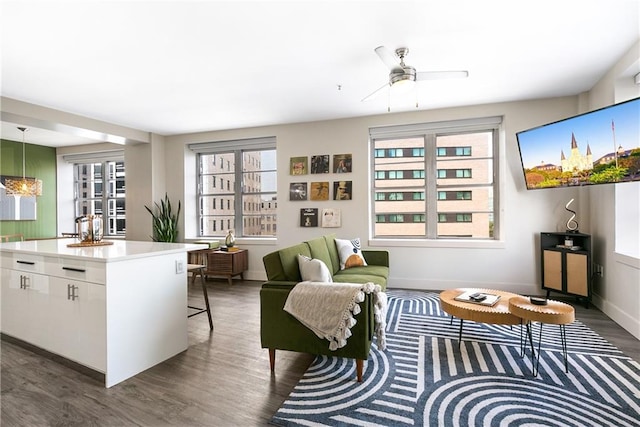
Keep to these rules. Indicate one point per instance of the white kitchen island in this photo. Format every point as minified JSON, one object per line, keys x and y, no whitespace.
{"x":117,"y":309}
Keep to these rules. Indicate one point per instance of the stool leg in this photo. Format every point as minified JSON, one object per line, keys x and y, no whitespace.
{"x":206,"y":300}
{"x":460,"y":333}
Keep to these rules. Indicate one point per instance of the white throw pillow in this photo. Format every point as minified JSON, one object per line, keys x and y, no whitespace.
{"x":350,"y":253}
{"x":313,"y":270}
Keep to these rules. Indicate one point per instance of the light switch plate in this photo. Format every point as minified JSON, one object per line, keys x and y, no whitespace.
{"x":179,"y":267}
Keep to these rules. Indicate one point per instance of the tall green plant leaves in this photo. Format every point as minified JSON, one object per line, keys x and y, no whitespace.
{"x":165,"y":222}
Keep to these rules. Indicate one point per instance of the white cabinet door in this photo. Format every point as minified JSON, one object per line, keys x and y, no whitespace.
{"x":25,"y":299}
{"x":78,"y":322}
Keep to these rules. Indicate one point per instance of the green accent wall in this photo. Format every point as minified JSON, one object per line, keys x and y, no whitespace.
{"x":40,"y":162}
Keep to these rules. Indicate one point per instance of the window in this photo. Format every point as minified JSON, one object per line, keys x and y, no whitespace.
{"x":463,"y":173}
{"x":463,"y":151}
{"x":246,"y":173}
{"x":396,"y":218}
{"x":450,"y":191}
{"x":100,"y":190}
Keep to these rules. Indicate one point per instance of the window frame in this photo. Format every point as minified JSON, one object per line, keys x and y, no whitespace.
{"x":80,"y":161}
{"x":493,"y":124}
{"x":239,"y":192}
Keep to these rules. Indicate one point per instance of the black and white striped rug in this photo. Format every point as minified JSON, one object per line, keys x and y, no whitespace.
{"x":424,"y":377}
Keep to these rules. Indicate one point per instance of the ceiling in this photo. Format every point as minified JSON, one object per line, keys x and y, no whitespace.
{"x":174,"y":67}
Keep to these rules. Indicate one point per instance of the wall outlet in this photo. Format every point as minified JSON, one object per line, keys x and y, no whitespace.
{"x":179,"y":267}
{"x":598,"y":270}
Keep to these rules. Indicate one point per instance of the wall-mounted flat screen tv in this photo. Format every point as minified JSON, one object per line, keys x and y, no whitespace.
{"x":599,"y":147}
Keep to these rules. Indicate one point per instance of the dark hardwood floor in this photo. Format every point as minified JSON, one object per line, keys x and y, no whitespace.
{"x":223,"y":379}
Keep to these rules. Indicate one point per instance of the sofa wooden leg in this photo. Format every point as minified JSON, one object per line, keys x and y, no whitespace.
{"x":359,"y":366}
{"x":272,"y":359}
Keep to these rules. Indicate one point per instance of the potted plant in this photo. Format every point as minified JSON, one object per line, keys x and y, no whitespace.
{"x":165,"y":222}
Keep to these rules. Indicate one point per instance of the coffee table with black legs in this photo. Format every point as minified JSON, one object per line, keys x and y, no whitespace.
{"x":498,"y":314}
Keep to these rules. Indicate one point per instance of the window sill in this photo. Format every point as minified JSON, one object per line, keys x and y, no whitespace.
{"x":423,"y":243}
{"x":265,"y":241}
{"x":627,"y":260}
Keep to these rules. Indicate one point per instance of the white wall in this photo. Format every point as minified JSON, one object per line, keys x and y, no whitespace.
{"x":512,"y":264}
{"x":617,"y":293}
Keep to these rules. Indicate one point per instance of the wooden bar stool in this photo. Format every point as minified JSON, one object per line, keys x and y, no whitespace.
{"x":198,"y":269}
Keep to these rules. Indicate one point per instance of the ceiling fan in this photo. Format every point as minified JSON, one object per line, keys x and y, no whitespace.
{"x":401,"y":74}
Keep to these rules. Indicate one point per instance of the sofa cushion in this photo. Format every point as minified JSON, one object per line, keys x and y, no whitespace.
{"x":318,"y":248}
{"x":374,"y":270}
{"x":313,"y":270}
{"x":361,"y":278}
{"x":289,"y":260}
{"x":350,"y":253}
{"x":333,"y":252}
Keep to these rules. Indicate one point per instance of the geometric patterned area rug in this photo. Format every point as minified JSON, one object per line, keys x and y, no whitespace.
{"x":424,"y":378}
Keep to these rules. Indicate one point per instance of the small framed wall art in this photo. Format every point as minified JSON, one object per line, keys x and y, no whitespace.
{"x":319,"y":191}
{"x":331,"y":218}
{"x":342,"y":163}
{"x":298,"y":191}
{"x":298,"y":166}
{"x":342,"y":190}
{"x":320,"y":164}
{"x":309,"y":217}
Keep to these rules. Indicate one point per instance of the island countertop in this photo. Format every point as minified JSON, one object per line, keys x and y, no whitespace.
{"x":92,"y":305}
{"x":119,"y":250}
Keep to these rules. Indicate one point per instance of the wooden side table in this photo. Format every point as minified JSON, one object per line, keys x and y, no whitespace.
{"x":227,"y":264}
{"x":555,"y":312}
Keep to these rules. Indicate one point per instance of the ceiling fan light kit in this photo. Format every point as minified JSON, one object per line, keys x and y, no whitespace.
{"x":403,"y":77}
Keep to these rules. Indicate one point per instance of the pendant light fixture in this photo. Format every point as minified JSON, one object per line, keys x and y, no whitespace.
{"x":25,"y":187}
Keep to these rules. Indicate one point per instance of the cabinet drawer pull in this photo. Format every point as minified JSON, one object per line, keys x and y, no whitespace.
{"x":24,"y":282}
{"x":26,"y":262}
{"x":72,"y":292}
{"x":79,"y":270}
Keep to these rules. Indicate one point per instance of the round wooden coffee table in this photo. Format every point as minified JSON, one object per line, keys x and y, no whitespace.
{"x":554,"y":312}
{"x":497,"y":314}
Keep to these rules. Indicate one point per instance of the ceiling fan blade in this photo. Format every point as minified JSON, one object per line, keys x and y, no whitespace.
{"x":389,"y":58}
{"x":435,"y":75}
{"x":375,"y":94}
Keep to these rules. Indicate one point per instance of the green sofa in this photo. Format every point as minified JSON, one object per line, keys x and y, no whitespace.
{"x":279,"y":330}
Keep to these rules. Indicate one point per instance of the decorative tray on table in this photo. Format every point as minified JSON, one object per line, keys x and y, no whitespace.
{"x":90,"y":244}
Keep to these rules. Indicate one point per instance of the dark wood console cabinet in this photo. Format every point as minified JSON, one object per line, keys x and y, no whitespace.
{"x":566,"y":269}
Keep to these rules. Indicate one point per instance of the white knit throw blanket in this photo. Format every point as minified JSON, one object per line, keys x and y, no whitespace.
{"x":328,"y":309}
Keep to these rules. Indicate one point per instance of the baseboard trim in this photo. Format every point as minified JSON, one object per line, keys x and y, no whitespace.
{"x":439,"y":285}
{"x":91,"y":373}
